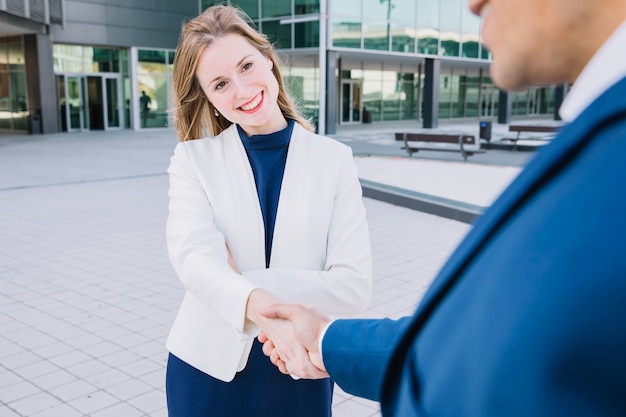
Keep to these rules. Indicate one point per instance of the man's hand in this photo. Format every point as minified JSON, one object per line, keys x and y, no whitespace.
{"x":307,"y":325}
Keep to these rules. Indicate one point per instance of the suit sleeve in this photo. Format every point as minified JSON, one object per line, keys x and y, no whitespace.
{"x":344,"y":285}
{"x":356,"y":353}
{"x":197,"y":248}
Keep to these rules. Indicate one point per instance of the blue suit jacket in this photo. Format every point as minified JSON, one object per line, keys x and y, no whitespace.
{"x":528,"y":316}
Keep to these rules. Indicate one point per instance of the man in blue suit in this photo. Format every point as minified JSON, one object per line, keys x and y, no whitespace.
{"x":528,"y":316}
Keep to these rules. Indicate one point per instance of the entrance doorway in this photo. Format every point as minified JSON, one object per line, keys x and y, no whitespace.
{"x":90,"y":102}
{"x":351,"y":101}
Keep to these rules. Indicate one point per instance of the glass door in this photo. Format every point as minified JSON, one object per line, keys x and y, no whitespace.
{"x":113,"y":106}
{"x":350,"y":102}
{"x":90,"y":102}
{"x":75,"y":104}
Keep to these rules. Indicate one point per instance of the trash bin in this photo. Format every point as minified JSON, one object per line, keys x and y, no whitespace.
{"x":367,"y":116}
{"x":34,"y":124}
{"x":485,"y":130}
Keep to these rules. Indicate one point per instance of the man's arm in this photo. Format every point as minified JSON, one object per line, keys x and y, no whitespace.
{"x":355,"y":351}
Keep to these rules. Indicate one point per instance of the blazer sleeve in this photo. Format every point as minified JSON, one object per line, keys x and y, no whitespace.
{"x":197,"y":249}
{"x":356,"y":353}
{"x":344,"y":285}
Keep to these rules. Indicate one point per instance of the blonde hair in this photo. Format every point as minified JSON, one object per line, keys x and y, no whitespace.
{"x":192,"y":113}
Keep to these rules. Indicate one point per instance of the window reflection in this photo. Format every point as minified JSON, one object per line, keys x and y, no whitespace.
{"x":153,"y":68}
{"x":347,"y":33}
{"x":275,"y":8}
{"x":14,"y":109}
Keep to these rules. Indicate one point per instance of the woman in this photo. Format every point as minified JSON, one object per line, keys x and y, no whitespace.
{"x":261,"y":210}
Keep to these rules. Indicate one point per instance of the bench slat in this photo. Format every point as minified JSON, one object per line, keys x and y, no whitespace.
{"x":425,"y":139}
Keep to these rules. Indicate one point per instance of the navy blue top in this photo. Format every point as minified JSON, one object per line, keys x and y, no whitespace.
{"x":268,"y":155}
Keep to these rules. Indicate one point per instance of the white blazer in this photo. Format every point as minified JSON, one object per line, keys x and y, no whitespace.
{"x":321,"y":253}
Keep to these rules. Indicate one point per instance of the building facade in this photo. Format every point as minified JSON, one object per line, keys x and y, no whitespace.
{"x":76,"y":65}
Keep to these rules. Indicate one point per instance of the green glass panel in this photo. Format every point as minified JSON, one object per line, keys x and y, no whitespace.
{"x":403,"y":11}
{"x":347,"y":34}
{"x":376,"y":36}
{"x":307,"y":34}
{"x":278,"y":34}
{"x":306,"y":6}
{"x":151,"y":61}
{"x":346,"y":8}
{"x":251,"y":7}
{"x":105,"y":60}
{"x":403,"y":39}
{"x":428,"y":44}
{"x":276,"y":8}
{"x":377,"y":9}
{"x":450,"y":47}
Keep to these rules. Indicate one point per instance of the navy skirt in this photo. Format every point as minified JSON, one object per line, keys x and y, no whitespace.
{"x":260,"y":390}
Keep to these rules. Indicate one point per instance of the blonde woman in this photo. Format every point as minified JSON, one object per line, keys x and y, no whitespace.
{"x":262,"y":210}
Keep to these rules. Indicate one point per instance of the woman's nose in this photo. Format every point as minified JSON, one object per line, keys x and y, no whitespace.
{"x":242,"y":88}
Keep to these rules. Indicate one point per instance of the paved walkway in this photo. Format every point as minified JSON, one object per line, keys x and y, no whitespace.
{"x":88,"y":294}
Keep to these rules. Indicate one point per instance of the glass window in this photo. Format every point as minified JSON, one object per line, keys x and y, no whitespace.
{"x":105,"y":60}
{"x":302,"y":83}
{"x":391,"y":96}
{"x":445,"y":90}
{"x":307,"y":35}
{"x":428,"y":27}
{"x":151,"y":61}
{"x":403,"y":38}
{"x":276,"y":8}
{"x":306,"y":6}
{"x":470,"y":28}
{"x":372,"y":93}
{"x":377,"y":9}
{"x":403,"y":11}
{"x":251,"y":7}
{"x":450,"y":27}
{"x":15,"y":50}
{"x":346,"y":8}
{"x":277,"y":33}
{"x":376,"y":36}
{"x":87,"y":59}
{"x":408,"y":94}
{"x":347,"y":33}
{"x":152,"y":78}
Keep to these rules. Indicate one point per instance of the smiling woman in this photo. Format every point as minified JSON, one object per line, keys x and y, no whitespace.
{"x":262,"y":210}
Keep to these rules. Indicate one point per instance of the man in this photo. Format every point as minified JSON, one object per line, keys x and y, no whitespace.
{"x":527,"y":317}
{"x":145,"y":101}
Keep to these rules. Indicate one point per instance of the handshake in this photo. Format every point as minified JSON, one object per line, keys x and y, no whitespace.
{"x":291,"y":339}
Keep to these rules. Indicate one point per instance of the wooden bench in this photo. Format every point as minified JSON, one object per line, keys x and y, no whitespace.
{"x":467,"y":145}
{"x":530,"y":128}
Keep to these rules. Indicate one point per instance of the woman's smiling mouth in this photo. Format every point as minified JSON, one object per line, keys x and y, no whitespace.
{"x":252,"y":104}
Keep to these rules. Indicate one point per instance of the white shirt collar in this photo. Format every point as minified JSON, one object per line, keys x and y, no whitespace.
{"x":606,"y":68}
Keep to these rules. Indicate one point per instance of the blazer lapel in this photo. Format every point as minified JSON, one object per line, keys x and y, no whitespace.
{"x":292,"y":204}
{"x":249,"y":241}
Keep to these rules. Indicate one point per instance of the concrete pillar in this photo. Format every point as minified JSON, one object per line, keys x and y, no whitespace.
{"x":41,"y":81}
{"x":504,"y":108}
{"x":332,"y":70}
{"x":430,"y":107}
{"x":559,"y":95}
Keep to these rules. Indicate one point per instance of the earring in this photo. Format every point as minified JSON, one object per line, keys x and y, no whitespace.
{"x":217,"y":114}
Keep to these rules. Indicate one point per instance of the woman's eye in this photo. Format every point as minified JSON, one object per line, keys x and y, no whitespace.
{"x":247,"y":66}
{"x":220,"y":85}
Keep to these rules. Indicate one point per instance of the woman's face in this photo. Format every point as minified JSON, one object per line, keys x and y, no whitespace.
{"x":238,"y":80}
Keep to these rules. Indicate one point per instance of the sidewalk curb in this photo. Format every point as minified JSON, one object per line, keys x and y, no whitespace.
{"x":439,"y":206}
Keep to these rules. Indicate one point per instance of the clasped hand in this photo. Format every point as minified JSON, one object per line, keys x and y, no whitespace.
{"x":292,"y":344}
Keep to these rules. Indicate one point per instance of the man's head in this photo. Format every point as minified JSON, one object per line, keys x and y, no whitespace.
{"x":540,"y":42}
